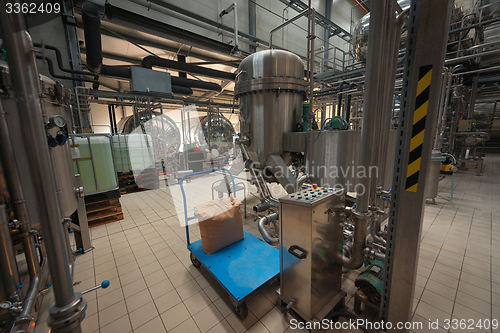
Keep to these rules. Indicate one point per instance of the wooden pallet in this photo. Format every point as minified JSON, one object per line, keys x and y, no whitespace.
{"x":128,"y":184}
{"x":105,"y":211}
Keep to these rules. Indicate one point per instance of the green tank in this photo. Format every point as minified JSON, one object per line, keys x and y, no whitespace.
{"x":93,"y":160}
{"x":133,"y":152}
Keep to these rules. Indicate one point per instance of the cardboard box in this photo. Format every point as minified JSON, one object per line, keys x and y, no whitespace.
{"x":220,"y":223}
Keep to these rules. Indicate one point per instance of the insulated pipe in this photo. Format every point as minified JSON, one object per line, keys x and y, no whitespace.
{"x":177,"y":88}
{"x":265,"y":220}
{"x":60,"y":62}
{"x":150,"y":61}
{"x":92,"y":28}
{"x":68,"y":308}
{"x":10,"y":275}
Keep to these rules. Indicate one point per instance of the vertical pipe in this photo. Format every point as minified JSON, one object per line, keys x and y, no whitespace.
{"x":252,"y":22}
{"x":24,"y":75}
{"x":17,"y":195}
{"x":110,"y":116}
{"x":236,"y":37}
{"x":372,"y":102}
{"x":393,"y":28}
{"x":442,"y":102}
{"x":8,"y":264}
{"x":326,"y":34}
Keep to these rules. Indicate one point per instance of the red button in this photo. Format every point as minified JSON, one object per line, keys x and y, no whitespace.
{"x":315,"y":186}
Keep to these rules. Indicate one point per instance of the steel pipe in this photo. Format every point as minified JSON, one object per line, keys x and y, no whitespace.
{"x":287,"y":22}
{"x":17,"y":194}
{"x":10,"y":275}
{"x":228,"y":10}
{"x":265,"y":220}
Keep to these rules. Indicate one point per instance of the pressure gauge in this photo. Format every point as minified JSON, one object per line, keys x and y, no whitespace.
{"x":57,"y":121}
{"x":5,"y":305}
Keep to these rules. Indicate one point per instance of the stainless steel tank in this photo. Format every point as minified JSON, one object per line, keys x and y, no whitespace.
{"x":54,"y":99}
{"x":270,"y":87}
{"x":335,"y":158}
{"x":361,"y":34}
{"x":362,"y":26}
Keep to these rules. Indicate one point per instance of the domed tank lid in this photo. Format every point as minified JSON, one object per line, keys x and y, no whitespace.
{"x":271,"y":63}
{"x":270,"y":70}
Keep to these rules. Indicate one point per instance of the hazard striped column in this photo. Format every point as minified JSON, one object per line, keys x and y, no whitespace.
{"x":418,"y":129}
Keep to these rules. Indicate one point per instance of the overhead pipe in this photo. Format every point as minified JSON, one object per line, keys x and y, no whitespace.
{"x":60,"y":62}
{"x":126,"y":73}
{"x":92,"y":27}
{"x":150,"y":61}
{"x":69,"y":307}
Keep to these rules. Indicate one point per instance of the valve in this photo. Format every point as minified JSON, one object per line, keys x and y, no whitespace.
{"x":104,"y":284}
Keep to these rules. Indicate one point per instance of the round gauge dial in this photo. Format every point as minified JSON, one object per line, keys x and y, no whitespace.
{"x":58,"y":121}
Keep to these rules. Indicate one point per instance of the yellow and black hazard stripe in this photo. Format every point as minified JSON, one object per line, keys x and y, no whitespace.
{"x":418,"y":129}
{"x":491,"y":122}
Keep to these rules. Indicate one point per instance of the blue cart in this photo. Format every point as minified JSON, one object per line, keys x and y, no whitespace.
{"x":243,"y":268}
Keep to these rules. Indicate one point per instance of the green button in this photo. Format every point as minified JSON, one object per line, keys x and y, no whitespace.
{"x":325,"y":190}
{"x":314,"y":195}
{"x":307,"y":198}
{"x":300,"y":197}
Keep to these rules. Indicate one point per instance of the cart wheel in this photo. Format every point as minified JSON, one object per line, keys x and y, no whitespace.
{"x":241,"y":310}
{"x":196,"y":263}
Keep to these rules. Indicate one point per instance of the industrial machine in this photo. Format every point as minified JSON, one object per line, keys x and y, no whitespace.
{"x":24,"y":227}
{"x":311,"y":236}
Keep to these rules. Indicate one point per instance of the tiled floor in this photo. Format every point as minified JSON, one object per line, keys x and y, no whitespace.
{"x":154,"y":287}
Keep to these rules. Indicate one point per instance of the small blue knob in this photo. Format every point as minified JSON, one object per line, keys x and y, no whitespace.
{"x":71,"y":231}
{"x":37,"y":245}
{"x":390,"y":190}
{"x":49,"y":285}
{"x":19,"y":286}
{"x":105,"y":284}
{"x":353,"y":205}
{"x":80,"y":250}
{"x":384,"y":198}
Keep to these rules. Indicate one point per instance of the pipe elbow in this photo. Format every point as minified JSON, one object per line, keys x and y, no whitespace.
{"x":148,"y":62}
{"x":263,"y":221}
{"x":301,"y":180}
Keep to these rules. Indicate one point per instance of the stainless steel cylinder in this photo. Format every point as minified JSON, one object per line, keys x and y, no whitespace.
{"x":270,"y":86}
{"x":432,"y":181}
{"x":55,"y":97}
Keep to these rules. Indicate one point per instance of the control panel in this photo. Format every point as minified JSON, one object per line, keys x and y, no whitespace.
{"x":311,"y":195}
